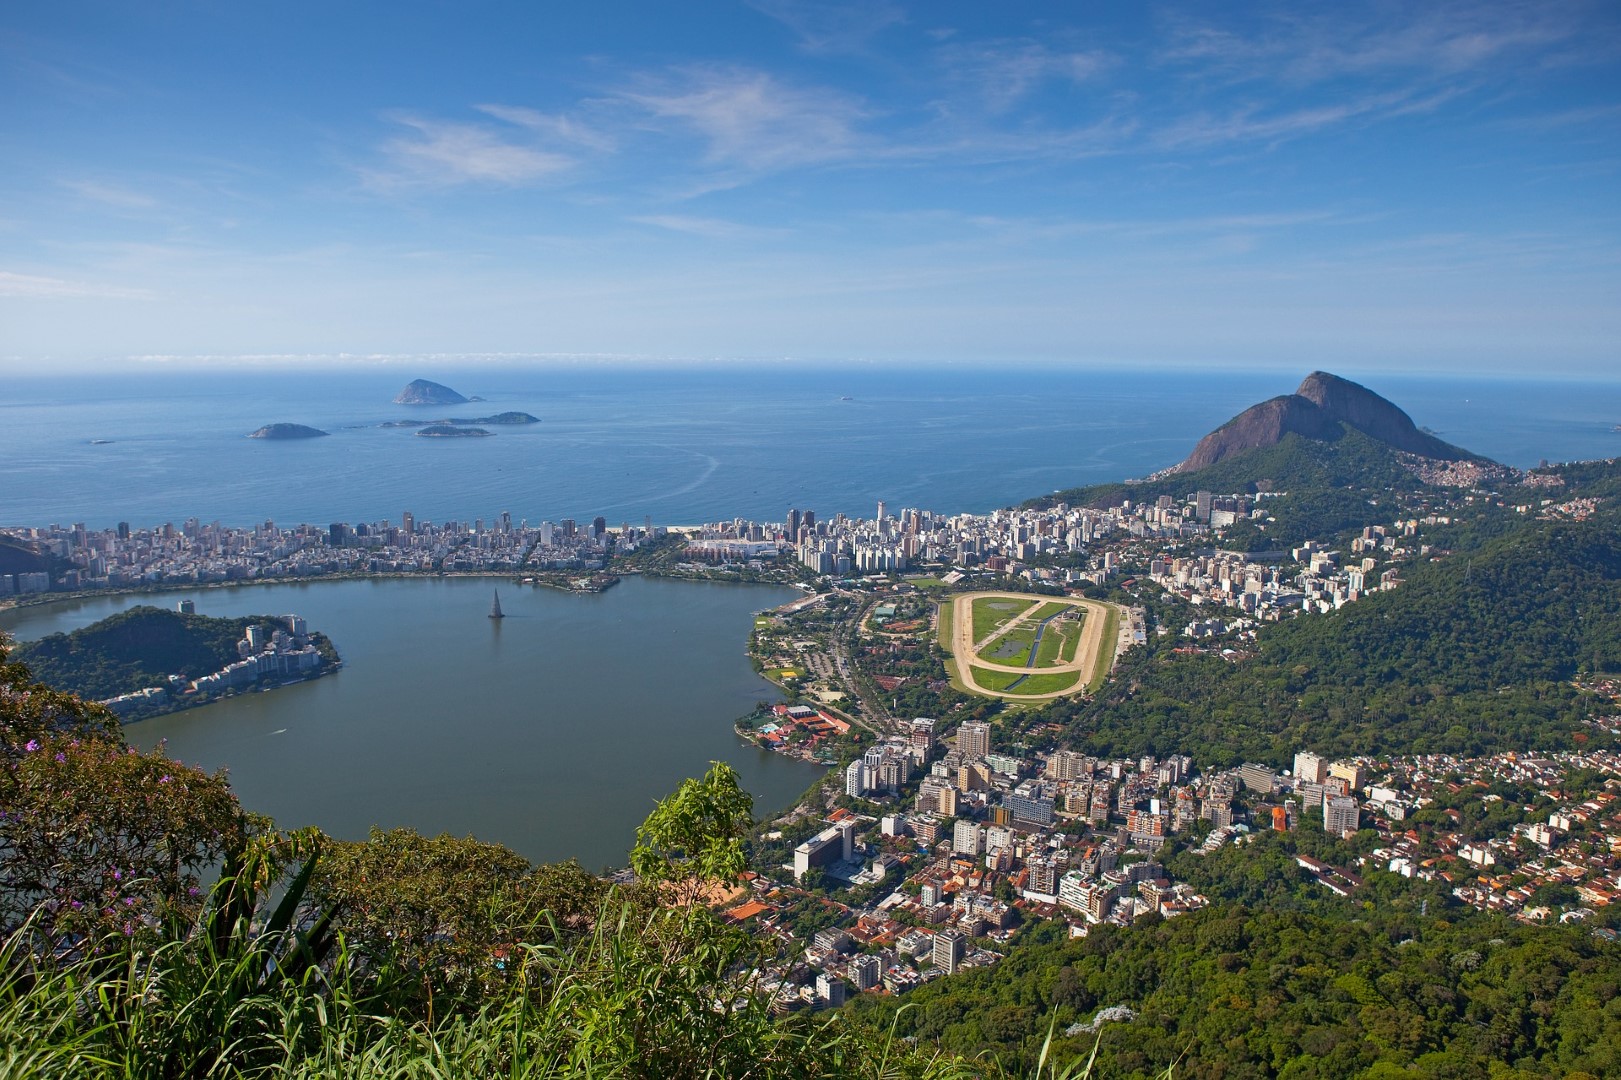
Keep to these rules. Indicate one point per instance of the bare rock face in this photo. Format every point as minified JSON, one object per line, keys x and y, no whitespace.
{"x":1372,"y":415}
{"x":1316,"y":411}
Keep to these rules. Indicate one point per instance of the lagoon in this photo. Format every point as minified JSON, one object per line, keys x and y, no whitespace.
{"x":551,"y":731}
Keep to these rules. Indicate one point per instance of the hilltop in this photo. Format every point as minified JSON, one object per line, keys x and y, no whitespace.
{"x":1336,"y":446}
{"x":1322,"y":408}
{"x":424,"y":392}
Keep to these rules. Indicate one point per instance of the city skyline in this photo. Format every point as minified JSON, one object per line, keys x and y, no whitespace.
{"x":1368,"y":186}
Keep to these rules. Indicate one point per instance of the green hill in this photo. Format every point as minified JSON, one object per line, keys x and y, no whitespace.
{"x":137,"y":648}
{"x":1472,"y":654}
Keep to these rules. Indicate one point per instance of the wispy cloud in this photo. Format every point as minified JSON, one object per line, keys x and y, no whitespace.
{"x":110,"y":194}
{"x":1001,"y":73}
{"x":37,"y":287}
{"x":713,"y":228}
{"x":552,"y":126}
{"x":1426,"y":40}
{"x":445,"y":153}
{"x":824,"y":27}
{"x":1253,"y":123}
{"x":751,"y":121}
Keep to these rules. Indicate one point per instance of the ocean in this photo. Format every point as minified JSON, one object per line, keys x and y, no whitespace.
{"x":679,"y":447}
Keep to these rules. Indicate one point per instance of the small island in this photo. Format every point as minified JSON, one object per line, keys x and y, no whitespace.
{"x":287,"y":431}
{"x":424,"y":392}
{"x":498,"y":418}
{"x":448,"y":431}
{"x":466,"y":421}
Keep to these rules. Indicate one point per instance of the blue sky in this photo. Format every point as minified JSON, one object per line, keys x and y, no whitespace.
{"x":1418,"y":187}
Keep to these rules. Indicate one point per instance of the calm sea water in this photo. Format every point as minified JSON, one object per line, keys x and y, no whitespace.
{"x":551,"y":731}
{"x":680,"y":447}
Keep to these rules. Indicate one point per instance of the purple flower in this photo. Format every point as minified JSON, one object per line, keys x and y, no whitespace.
{"x":61,"y":757}
{"x":31,"y":745}
{"x":165,"y":778}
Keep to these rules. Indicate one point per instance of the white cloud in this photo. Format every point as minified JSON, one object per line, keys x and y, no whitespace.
{"x":561,"y":128}
{"x":1002,"y":72}
{"x":109,"y":194}
{"x":753,"y":122}
{"x":1421,"y":41}
{"x":37,"y":287}
{"x":1252,"y":124}
{"x":713,"y":228}
{"x":444,"y":153}
{"x":824,"y":27}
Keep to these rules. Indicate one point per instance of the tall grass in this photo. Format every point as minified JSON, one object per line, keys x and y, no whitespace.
{"x":251,"y":991}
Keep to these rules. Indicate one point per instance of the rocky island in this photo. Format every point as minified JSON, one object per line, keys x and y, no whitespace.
{"x":424,"y":392}
{"x":450,"y":431}
{"x":287,"y":431}
{"x":465,"y":421}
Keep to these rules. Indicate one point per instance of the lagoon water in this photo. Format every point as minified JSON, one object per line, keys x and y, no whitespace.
{"x":551,"y":731}
{"x":554,"y":730}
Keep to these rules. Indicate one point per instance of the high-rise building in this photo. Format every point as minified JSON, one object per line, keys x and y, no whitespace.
{"x":1341,"y":815}
{"x":883,"y":511}
{"x":1309,"y":768}
{"x":793,"y":525}
{"x":1349,"y":771}
{"x":865,"y":971}
{"x":974,"y":738}
{"x":922,"y":738}
{"x":949,"y":948}
{"x":408,"y":523}
{"x":967,"y":838}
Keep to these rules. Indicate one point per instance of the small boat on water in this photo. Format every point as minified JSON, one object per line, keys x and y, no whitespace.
{"x":495,"y":606}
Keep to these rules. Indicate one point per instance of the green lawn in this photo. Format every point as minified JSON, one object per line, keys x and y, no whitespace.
{"x":1058,"y":643}
{"x":991,"y":612}
{"x":946,"y":609}
{"x":1011,"y":648}
{"x":925,"y":582}
{"x":1051,"y":683}
{"x":1111,"y":635}
{"x":995,"y":680}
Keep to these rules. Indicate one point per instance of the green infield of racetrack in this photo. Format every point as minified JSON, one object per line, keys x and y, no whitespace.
{"x":1047,"y":683}
{"x":991,"y":612}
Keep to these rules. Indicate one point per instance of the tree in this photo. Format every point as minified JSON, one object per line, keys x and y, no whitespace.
{"x":102,"y":838}
{"x":447,"y":910}
{"x":694,"y":838}
{"x":96,"y":836}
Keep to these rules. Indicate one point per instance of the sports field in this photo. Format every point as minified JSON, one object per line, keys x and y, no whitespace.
{"x":1024,"y":648}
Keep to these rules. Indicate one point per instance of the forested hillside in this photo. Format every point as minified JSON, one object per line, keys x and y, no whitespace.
{"x":137,"y":648}
{"x":1472,"y":654}
{"x":1376,"y":991}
